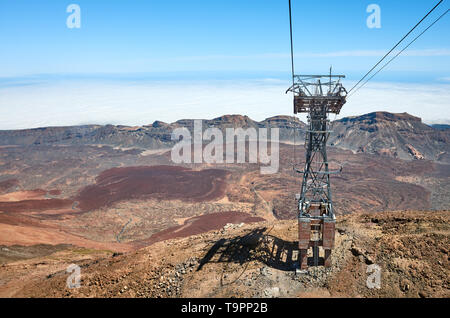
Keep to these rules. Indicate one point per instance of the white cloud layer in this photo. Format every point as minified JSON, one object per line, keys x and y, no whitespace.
{"x":431,"y":102}
{"x":127,"y":103}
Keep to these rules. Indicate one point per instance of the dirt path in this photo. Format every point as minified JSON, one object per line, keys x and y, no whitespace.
{"x":122,"y":230}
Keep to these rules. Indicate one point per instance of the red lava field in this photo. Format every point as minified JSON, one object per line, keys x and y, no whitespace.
{"x":201,"y":224}
{"x":44,"y":217}
{"x":35,"y":205}
{"x":161,"y":182}
{"x":30,"y":200}
{"x":119,"y":184}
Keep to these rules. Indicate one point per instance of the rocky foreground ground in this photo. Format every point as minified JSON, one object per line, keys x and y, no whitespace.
{"x":249,"y":260}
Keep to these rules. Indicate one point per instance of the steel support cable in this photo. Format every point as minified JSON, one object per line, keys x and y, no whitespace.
{"x":395,"y":46}
{"x":292,"y":43}
{"x":440,"y":17}
{"x":293,"y":76}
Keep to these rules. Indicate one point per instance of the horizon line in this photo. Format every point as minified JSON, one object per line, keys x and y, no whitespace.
{"x":428,"y":123}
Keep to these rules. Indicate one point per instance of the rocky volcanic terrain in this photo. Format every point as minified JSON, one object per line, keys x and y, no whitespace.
{"x":410,"y":248}
{"x":396,"y":135}
{"x":110,"y":199}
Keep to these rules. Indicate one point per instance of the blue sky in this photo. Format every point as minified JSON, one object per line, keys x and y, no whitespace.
{"x":198,"y":40}
{"x":226,"y":36}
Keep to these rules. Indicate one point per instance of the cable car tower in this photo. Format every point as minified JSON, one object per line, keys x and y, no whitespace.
{"x":317,"y":96}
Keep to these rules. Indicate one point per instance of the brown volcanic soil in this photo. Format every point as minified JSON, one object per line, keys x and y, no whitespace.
{"x":29,"y":217}
{"x":163,"y":182}
{"x":32,"y":201}
{"x":35,"y":205}
{"x":17,"y":252}
{"x":135,"y":204}
{"x":201,"y":224}
{"x":257,"y":260}
{"x":7,"y":184}
{"x":54,"y":192}
{"x":23,"y":195}
{"x":30,"y":235}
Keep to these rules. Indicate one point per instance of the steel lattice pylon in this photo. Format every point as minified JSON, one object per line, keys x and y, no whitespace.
{"x":318,"y":96}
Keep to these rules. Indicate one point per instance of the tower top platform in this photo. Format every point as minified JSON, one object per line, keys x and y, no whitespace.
{"x":318,"y":91}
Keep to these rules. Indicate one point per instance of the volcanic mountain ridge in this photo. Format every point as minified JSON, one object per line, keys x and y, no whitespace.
{"x":397,"y":135}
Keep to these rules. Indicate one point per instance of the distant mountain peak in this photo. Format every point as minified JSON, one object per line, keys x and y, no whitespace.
{"x":233,"y":119}
{"x":159,"y":124}
{"x":382,"y":116}
{"x":283,"y":118}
